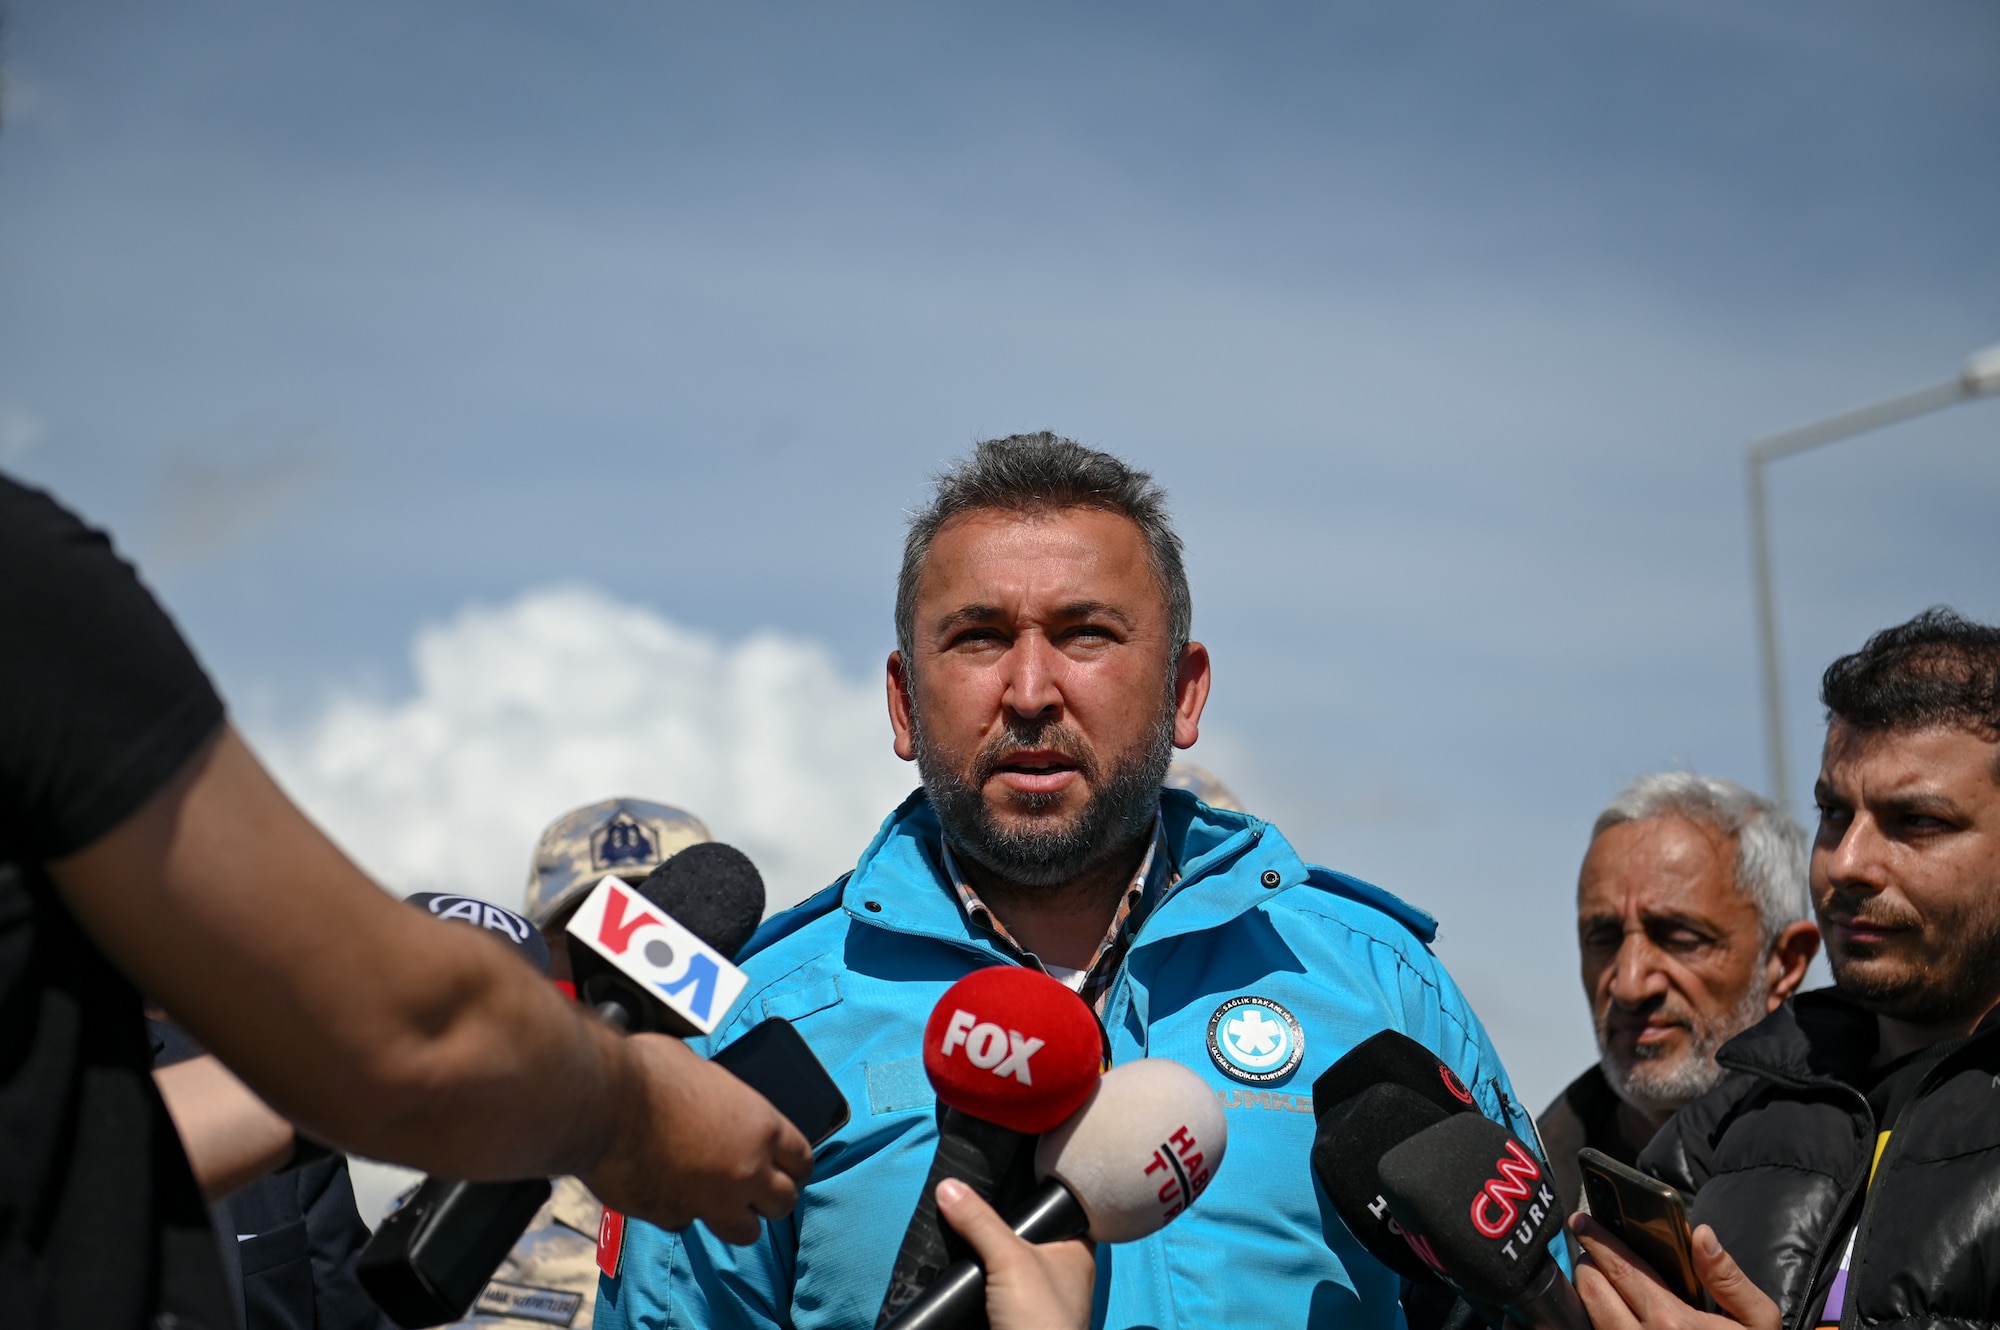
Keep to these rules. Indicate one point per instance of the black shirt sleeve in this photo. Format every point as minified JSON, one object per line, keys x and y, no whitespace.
{"x":101,"y":701}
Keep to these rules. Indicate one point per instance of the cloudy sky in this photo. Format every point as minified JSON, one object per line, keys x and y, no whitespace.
{"x":518,"y":402}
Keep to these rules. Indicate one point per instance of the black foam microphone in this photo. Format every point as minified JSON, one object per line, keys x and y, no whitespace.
{"x":431,"y":1257}
{"x":1350,"y":1143}
{"x":1391,"y":1057}
{"x":1477,"y":1205}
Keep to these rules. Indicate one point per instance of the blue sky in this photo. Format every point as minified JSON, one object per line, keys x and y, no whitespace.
{"x":1446,"y":325}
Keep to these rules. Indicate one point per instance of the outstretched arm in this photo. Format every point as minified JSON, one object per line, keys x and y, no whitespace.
{"x":399,"y":1036}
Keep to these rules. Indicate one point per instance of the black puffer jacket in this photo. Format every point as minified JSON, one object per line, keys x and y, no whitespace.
{"x":1777,"y":1160}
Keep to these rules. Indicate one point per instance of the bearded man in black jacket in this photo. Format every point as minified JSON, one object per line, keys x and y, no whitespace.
{"x":1850,"y":1174}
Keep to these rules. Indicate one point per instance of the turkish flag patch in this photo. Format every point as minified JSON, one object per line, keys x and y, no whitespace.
{"x":610,"y":1241}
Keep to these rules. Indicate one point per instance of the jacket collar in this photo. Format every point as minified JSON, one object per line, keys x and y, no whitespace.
{"x":899,"y":883}
{"x":1817,"y":1036}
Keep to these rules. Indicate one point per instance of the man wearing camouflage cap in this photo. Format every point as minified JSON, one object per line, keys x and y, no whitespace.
{"x":550,"y":1277}
{"x":626,"y":837}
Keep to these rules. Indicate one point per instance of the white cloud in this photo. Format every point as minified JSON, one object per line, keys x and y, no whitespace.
{"x":20,"y":431}
{"x":565,"y":696}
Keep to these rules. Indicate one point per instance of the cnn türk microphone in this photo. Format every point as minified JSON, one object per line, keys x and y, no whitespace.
{"x":1135,"y":1156}
{"x":1477,"y":1205}
{"x":658,"y":957}
{"x":1011,"y":1053}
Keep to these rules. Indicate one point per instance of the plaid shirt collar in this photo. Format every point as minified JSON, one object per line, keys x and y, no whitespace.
{"x":1145,"y":891}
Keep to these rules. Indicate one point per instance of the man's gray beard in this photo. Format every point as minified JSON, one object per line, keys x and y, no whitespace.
{"x":1122,"y":804}
{"x":1652,"y":1086}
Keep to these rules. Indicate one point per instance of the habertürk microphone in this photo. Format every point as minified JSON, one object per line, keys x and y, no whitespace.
{"x":1350,"y":1143}
{"x":1142,"y":1148}
{"x":1476,"y":1204}
{"x":1393,"y":1057}
{"x":1011,"y":1053}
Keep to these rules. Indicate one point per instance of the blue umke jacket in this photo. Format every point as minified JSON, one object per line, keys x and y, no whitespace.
{"x":857,"y":969}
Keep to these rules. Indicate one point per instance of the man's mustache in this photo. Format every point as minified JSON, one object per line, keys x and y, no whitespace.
{"x":1057,"y":738}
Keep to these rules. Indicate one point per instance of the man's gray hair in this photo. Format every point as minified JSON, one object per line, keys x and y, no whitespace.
{"x":1770,"y":846}
{"x":1033,"y":474}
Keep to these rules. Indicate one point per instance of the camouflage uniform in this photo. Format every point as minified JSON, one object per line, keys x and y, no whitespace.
{"x":1203,"y":784}
{"x":550,"y":1278}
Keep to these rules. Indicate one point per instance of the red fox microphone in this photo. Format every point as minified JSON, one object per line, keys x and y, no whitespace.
{"x":1477,"y":1205}
{"x":1011,"y":1053}
{"x":1135,"y":1156}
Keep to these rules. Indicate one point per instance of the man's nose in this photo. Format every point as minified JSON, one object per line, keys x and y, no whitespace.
{"x":1856,"y":860}
{"x":1034,"y":686}
{"x":1636,"y":976}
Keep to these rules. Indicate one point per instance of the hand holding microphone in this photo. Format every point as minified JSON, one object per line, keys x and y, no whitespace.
{"x":1029,"y":1286}
{"x":1011,"y":1053}
{"x":1133,"y":1158}
{"x":656,"y":960}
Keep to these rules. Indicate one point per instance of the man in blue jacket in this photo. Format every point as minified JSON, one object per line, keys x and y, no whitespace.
{"x":1042,"y":679}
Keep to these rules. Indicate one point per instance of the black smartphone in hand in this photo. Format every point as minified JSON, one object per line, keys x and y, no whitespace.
{"x":772,"y":1059}
{"x":1647,"y":1215}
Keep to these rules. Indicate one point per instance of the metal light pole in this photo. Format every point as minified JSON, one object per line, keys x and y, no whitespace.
{"x":1980,"y":377}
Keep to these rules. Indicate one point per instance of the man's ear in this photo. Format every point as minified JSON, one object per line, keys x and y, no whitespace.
{"x":1791,"y":955}
{"x":1191,"y":680}
{"x":899,"y":708}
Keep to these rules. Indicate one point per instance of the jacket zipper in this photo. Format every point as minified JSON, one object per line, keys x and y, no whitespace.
{"x":1847,"y":1311}
{"x":1847,"y":1197}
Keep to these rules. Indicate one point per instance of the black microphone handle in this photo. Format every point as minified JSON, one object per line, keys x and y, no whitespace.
{"x":429,"y":1260}
{"x":981,"y":1154}
{"x":1050,"y":1215}
{"x":1551,"y":1303}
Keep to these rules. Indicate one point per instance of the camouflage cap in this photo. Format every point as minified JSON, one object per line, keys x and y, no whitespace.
{"x":1203,"y":784}
{"x":629,"y":837}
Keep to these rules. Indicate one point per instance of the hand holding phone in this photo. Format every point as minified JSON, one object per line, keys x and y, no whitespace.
{"x":1647,"y":1215}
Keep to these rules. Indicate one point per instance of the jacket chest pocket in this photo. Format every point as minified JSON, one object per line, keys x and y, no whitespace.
{"x":1814,"y":1136}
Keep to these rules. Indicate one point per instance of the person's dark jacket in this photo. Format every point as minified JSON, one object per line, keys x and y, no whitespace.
{"x":1584,"y":1114}
{"x":1777,"y":1160}
{"x":290,"y":1240}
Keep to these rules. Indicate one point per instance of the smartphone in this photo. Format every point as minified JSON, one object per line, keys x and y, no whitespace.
{"x":774,"y":1061}
{"x":1647,"y":1215}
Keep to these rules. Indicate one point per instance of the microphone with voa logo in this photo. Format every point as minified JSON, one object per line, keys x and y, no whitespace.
{"x":1136,"y":1155}
{"x":1476,"y":1204}
{"x":1011,"y":1053}
{"x":431,"y":1258}
{"x":657,"y":957}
